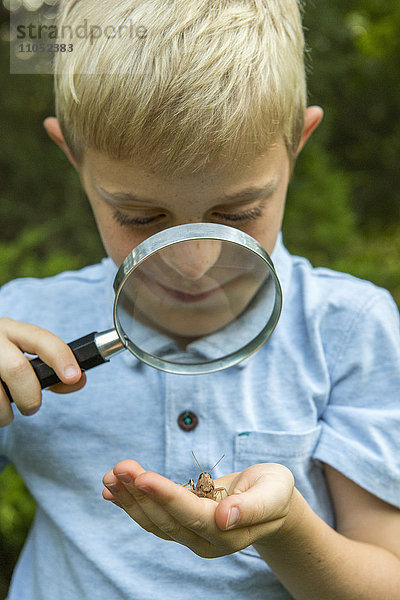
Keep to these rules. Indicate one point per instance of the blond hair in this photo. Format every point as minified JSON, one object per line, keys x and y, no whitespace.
{"x":188,"y":84}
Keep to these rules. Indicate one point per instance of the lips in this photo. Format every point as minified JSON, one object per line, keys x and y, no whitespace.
{"x":186,"y":296}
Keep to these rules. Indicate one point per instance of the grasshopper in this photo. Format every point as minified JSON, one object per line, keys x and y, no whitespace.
{"x":204,"y":487}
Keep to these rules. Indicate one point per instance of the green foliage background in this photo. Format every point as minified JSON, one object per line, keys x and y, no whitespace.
{"x":343,"y":206}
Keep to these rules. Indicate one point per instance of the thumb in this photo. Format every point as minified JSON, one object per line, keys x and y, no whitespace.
{"x":63,"y":388}
{"x":260,"y":494}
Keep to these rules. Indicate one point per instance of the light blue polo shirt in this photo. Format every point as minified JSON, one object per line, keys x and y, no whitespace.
{"x":324,"y":388}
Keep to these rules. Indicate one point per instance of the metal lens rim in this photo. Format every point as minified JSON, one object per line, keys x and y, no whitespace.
{"x":191,"y":232}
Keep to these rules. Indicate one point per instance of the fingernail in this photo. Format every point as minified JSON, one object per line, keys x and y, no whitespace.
{"x":71,"y":371}
{"x":233,"y":517}
{"x":125,"y":477}
{"x":113,"y":487}
{"x":28,"y":412}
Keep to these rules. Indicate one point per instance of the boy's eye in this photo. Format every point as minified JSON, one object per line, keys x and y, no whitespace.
{"x":241,"y":217}
{"x":127,"y":221}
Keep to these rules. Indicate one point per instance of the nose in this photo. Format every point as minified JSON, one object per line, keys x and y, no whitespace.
{"x":193,"y":258}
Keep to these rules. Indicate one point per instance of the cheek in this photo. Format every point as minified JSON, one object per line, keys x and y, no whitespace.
{"x":118,"y":241}
{"x":119,"y":244}
{"x":266,"y":229}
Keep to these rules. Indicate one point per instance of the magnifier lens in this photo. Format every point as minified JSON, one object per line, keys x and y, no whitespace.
{"x":196,"y":301}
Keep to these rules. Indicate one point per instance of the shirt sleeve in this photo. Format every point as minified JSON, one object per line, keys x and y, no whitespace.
{"x":360,"y":434}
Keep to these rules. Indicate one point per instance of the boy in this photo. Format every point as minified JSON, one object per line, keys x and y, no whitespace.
{"x":201,"y":120}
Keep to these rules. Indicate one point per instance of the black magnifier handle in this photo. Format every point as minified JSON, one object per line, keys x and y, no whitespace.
{"x":90,"y":351}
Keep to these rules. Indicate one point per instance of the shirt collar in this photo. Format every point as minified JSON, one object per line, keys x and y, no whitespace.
{"x":282,"y":261}
{"x":110,"y":272}
{"x":213,"y":346}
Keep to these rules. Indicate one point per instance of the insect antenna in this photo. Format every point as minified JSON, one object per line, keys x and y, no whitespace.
{"x":218,"y":461}
{"x":201,"y":468}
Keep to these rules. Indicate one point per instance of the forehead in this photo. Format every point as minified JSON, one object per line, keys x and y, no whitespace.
{"x":128,"y":175}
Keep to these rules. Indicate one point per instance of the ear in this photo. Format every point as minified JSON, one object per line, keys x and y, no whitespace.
{"x":52,"y":127}
{"x":313,"y":118}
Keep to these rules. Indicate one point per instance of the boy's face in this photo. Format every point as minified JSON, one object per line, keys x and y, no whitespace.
{"x":131,"y":203}
{"x":188,"y":292}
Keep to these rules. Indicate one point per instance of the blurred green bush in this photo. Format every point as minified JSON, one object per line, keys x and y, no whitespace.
{"x":16,"y":513}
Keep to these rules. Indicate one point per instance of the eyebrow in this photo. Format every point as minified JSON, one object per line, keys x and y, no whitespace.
{"x":245,"y":195}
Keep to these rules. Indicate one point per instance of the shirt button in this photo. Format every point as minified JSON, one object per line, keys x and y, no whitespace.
{"x":187,"y":420}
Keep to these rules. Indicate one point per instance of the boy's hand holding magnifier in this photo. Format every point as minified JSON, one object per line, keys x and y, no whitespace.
{"x":16,"y":338}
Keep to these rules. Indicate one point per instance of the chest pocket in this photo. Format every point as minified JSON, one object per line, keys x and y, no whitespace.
{"x":286,"y":448}
{"x":294,"y":451}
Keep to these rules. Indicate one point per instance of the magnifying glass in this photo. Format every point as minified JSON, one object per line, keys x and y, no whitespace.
{"x":191,"y":299}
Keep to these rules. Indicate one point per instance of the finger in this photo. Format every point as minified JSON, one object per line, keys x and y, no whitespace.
{"x":107,"y":495}
{"x":136,"y":513}
{"x":128,"y":467}
{"x":122,"y":478}
{"x":159,"y":517}
{"x":116,"y":488}
{"x":62,"y":388}
{"x":116,"y":492}
{"x":49,"y":347}
{"x":20,"y":378}
{"x":191,"y":512}
{"x":6,"y":413}
{"x":260,"y":495}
